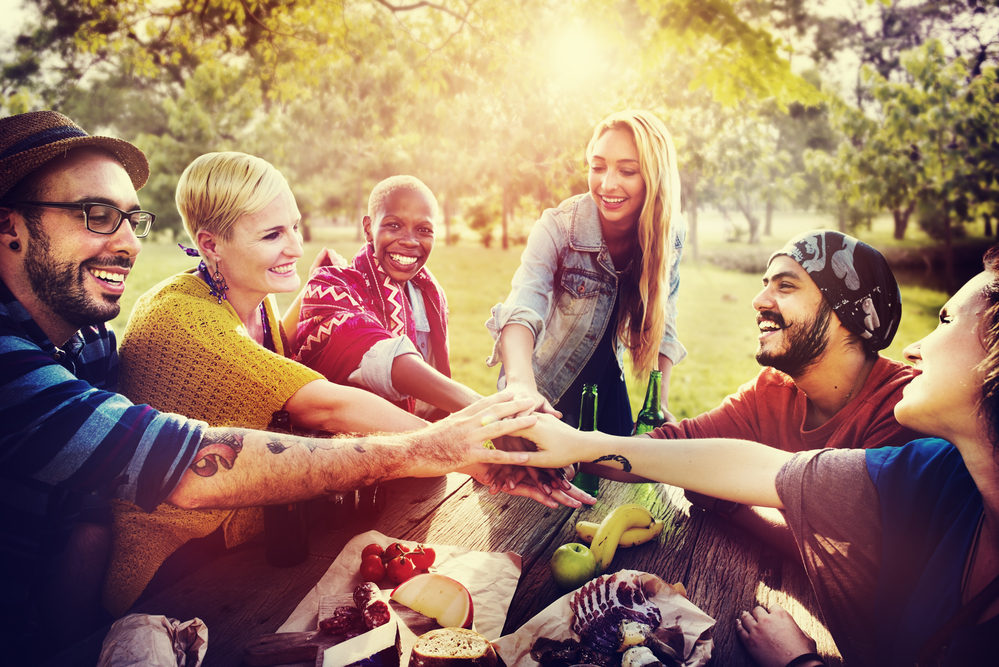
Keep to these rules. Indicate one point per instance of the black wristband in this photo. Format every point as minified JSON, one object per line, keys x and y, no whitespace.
{"x":805,"y":657}
{"x":725,"y":508}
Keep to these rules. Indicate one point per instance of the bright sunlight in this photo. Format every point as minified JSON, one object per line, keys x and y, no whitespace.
{"x":576,"y":55}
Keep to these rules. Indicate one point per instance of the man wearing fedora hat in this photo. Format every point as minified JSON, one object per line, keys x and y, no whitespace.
{"x":70,"y":221}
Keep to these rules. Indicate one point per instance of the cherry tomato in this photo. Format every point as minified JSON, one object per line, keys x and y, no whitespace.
{"x":372,"y":550}
{"x":394,"y":550}
{"x":399,"y":569}
{"x":423,"y":556}
{"x":372,"y":568}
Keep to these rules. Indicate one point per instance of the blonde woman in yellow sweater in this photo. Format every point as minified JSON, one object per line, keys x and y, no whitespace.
{"x":208,"y":344}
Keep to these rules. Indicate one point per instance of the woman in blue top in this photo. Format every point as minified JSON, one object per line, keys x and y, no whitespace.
{"x":901,"y":544}
{"x":600,"y":274}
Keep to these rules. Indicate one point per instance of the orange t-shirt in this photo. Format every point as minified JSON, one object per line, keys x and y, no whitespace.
{"x":770,"y":409}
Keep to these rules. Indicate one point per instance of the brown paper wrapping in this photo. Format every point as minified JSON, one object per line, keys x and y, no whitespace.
{"x":154,"y":641}
{"x":555,"y":622}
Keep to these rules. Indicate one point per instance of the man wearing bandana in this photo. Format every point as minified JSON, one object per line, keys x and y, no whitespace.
{"x":829,"y":304}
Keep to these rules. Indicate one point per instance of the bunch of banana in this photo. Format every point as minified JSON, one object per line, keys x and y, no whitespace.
{"x":632,"y":537}
{"x":614,"y":531}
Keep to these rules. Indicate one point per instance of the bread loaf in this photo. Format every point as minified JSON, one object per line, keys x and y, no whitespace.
{"x":453,"y":647}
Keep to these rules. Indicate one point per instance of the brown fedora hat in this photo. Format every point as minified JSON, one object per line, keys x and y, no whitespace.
{"x":29,"y":140}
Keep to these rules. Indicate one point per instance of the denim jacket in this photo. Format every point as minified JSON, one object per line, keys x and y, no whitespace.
{"x":564,"y":292}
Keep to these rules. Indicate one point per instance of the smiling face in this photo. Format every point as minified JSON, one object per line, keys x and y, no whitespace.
{"x":793,"y":316}
{"x":402,"y":233}
{"x":260,"y":257}
{"x":942,"y":400}
{"x":615,"y":179}
{"x":76,"y":276}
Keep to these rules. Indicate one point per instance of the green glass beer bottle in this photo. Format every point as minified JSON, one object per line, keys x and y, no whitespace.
{"x":651,"y":415}
{"x":588,"y":422}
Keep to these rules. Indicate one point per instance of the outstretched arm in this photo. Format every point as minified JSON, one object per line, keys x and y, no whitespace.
{"x":243,"y":468}
{"x":517,"y":347}
{"x":327,"y":406}
{"x":414,"y":377}
{"x":737,"y":470}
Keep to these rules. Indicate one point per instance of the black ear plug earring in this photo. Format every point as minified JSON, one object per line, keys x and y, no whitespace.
{"x":14,"y":245}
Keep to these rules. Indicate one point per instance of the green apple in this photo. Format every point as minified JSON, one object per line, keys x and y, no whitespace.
{"x":573,"y":565}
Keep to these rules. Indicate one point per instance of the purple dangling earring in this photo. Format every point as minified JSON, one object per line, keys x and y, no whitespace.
{"x":216,"y":282}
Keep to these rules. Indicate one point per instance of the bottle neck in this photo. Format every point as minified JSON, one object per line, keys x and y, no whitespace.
{"x":653,"y":392}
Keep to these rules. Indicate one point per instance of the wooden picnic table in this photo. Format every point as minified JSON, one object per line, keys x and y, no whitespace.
{"x":725,"y":570}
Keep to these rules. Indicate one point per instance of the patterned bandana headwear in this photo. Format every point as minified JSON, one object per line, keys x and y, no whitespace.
{"x":856,"y":281}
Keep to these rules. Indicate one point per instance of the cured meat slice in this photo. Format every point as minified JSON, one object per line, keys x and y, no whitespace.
{"x":373,"y":607}
{"x":601,"y":604}
{"x":338,"y":620}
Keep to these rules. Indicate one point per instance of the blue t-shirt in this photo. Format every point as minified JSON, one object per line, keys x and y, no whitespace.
{"x":930,"y":509}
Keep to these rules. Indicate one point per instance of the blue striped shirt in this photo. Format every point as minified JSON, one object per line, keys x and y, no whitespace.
{"x":67,"y":437}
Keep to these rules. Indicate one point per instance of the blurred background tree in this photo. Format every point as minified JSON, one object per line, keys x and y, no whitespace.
{"x":492,"y":102}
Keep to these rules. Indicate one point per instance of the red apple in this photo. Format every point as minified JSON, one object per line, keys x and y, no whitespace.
{"x":442,"y":598}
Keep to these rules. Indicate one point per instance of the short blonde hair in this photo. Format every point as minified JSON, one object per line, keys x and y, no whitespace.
{"x":219,"y":188}
{"x":642,"y":318}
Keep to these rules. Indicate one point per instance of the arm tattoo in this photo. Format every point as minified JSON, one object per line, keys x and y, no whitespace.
{"x":221,"y":450}
{"x":625,"y":463}
{"x":275,"y":445}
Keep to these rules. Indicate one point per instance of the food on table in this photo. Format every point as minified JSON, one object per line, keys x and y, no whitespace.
{"x":370,"y":610}
{"x":372,"y":549}
{"x":395,"y":550}
{"x":601,"y":604}
{"x":442,"y":598}
{"x":423,"y":557}
{"x":372,"y":605}
{"x":397,"y":561}
{"x":399,"y":569}
{"x":608,"y":535}
{"x":631,"y":634}
{"x":568,"y":652}
{"x":372,"y":568}
{"x":632,"y":537}
{"x":453,"y":647}
{"x":339,"y":619}
{"x":640,"y":656}
{"x":572,"y":565}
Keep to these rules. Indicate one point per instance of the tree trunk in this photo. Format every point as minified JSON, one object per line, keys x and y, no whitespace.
{"x":988,"y":225}
{"x":754,"y":223}
{"x":948,"y":253}
{"x":767,"y":229}
{"x":305,"y":227}
{"x":901,"y":217}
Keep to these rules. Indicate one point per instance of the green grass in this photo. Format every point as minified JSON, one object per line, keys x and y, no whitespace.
{"x":716,"y":321}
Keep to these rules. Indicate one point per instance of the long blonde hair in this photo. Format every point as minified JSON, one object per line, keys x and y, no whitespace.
{"x":644,"y":295}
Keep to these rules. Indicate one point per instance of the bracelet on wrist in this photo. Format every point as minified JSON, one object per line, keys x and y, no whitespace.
{"x":806,"y":658}
{"x":725,"y":508}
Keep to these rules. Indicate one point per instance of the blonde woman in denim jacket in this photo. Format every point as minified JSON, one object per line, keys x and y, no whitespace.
{"x":600,"y":274}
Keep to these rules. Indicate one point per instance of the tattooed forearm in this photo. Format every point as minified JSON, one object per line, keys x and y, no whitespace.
{"x":625,"y":463}
{"x":218,"y":449}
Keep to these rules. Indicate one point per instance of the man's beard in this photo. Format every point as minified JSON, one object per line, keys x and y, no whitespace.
{"x":62,"y":285}
{"x":806,"y":342}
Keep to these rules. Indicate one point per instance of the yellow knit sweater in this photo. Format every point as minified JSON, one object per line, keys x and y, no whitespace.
{"x":183,"y":352}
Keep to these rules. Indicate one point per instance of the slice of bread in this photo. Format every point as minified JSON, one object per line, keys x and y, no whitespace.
{"x":453,"y":647}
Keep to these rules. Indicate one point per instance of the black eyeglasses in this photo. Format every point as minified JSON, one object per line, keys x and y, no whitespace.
{"x":102,"y":218}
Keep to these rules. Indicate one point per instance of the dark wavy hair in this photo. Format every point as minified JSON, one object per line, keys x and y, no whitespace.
{"x":989,"y":405}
